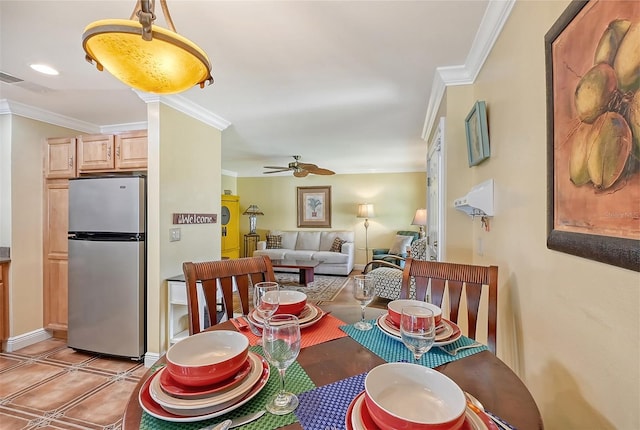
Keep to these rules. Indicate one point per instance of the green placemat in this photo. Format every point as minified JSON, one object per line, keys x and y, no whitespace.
{"x":296,"y":381}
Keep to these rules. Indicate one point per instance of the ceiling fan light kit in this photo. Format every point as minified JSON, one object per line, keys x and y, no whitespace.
{"x":145,"y":56}
{"x":300,"y":170}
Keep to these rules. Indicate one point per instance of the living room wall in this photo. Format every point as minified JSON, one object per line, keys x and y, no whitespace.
{"x":569,"y":326}
{"x":395,"y":197}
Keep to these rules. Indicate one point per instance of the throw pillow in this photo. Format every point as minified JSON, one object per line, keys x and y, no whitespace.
{"x":337,"y":245}
{"x":400,"y":244}
{"x":274,"y":241}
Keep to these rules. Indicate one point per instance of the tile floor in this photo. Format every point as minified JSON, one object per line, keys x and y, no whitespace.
{"x":48,"y":386}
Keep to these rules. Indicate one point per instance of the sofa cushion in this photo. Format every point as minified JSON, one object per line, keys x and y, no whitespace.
{"x":288,"y":238}
{"x":309,"y":240}
{"x":331,"y":257}
{"x":327,"y":238}
{"x":274,"y":241}
{"x":274,"y":254}
{"x":299,"y":254}
{"x":400,"y":244}
{"x":337,"y":245}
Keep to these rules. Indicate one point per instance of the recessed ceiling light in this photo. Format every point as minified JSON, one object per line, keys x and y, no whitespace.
{"x":43,"y":68}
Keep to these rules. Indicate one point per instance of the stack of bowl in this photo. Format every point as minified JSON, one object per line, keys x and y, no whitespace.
{"x":207,"y":374}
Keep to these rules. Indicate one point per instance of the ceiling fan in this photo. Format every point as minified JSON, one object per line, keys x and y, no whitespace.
{"x":300,"y":170}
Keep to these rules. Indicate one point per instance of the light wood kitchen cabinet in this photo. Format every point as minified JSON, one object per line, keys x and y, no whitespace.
{"x":108,"y":153}
{"x":95,"y":152}
{"x":131,"y":150}
{"x":230,"y":225}
{"x":56,"y":255}
{"x":60,"y":157}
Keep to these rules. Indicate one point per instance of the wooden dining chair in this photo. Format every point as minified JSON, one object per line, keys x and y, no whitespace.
{"x":453,"y":278}
{"x":244,"y":271}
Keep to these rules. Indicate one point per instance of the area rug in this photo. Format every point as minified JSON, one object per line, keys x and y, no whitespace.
{"x":324,"y":288}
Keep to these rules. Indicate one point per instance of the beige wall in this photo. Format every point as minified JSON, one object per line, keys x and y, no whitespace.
{"x":395,"y":198}
{"x":569,"y":326}
{"x":183,"y":177}
{"x":229,"y":183}
{"x":23,"y":196}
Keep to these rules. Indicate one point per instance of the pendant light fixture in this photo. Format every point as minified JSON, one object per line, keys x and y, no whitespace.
{"x":145,"y":56}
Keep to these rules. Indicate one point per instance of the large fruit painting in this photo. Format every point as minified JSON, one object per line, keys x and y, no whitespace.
{"x":593,"y":79}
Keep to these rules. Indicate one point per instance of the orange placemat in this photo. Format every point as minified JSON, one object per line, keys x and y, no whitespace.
{"x":328,"y":328}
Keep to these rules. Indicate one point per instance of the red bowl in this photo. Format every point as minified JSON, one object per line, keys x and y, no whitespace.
{"x":207,"y":358}
{"x":406,"y":396}
{"x":291,"y":302}
{"x":394,"y":309}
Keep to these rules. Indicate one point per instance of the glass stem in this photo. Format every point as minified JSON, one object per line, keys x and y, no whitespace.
{"x":362,"y":307}
{"x":282,"y":391}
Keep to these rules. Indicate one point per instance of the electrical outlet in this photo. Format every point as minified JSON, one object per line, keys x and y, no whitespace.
{"x":174,"y":234}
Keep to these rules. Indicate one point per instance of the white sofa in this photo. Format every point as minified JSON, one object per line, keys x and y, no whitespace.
{"x":313,"y":245}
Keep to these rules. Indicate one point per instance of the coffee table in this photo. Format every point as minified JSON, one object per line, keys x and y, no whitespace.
{"x":305,"y":266}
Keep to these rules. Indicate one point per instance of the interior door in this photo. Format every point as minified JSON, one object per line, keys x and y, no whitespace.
{"x":435,"y":195}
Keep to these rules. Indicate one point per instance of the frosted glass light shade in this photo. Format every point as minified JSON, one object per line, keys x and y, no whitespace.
{"x":166,"y":64}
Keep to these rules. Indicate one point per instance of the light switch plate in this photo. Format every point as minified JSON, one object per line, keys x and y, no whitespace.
{"x":174,"y":234}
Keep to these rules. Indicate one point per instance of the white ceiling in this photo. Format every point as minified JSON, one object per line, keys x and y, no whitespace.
{"x":345,"y":84}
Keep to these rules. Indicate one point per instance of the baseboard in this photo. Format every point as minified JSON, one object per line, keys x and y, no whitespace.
{"x":27,"y":339}
{"x":150,"y":359}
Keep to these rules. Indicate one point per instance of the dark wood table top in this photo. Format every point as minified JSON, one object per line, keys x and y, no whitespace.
{"x":483,"y":375}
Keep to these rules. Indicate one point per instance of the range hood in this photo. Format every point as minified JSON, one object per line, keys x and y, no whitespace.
{"x":478,"y":201}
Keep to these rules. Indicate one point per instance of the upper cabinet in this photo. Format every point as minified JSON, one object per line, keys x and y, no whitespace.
{"x":106,"y":153}
{"x":131,"y":150}
{"x":93,"y":153}
{"x":60,"y":158}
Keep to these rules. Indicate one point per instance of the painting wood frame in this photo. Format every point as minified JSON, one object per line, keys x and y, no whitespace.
{"x":583,"y":220}
{"x":314,"y":207}
{"x":477,"y":131}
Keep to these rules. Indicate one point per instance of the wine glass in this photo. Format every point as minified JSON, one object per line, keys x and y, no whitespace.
{"x":266,"y":298}
{"x":417,"y":329}
{"x":363,"y":291}
{"x":281,"y":345}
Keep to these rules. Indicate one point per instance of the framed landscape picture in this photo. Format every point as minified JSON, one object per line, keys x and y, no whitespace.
{"x":314,"y":207}
{"x":593,"y":132}
{"x":477,"y":132}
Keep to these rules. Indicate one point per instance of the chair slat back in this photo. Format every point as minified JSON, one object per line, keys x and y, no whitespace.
{"x":244,"y":271}
{"x":451,"y":279}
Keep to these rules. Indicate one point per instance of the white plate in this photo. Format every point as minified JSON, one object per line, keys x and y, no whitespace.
{"x":154,"y":409}
{"x":216,"y":402}
{"x":394,"y":333}
{"x":319,"y":313}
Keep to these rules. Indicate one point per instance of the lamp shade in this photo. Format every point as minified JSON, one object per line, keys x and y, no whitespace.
{"x":253,"y":210}
{"x":365,"y":210}
{"x":420,"y":217}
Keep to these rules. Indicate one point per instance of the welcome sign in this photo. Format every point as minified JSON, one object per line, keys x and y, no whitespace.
{"x":187,"y":218}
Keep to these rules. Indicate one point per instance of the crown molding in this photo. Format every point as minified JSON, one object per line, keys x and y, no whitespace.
{"x":495,"y":16}
{"x":187,"y":107}
{"x":20,"y":109}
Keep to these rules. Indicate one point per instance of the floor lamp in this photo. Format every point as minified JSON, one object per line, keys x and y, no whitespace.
{"x":366,"y":211}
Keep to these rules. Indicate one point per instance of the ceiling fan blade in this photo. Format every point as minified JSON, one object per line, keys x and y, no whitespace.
{"x":300,"y":173}
{"x":276,"y":171}
{"x":307,"y":166}
{"x":320,"y":171}
{"x":276,"y":167}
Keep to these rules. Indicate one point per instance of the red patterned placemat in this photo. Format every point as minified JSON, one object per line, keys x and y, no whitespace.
{"x":328,"y":328}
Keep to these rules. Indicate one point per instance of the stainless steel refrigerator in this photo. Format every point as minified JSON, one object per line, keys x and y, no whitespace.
{"x":107,"y":265}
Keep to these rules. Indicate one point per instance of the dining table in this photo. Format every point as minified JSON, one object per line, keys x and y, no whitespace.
{"x":481,"y":374}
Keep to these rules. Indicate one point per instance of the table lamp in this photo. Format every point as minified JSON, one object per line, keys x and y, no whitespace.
{"x":420,"y":219}
{"x":253,"y":211}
